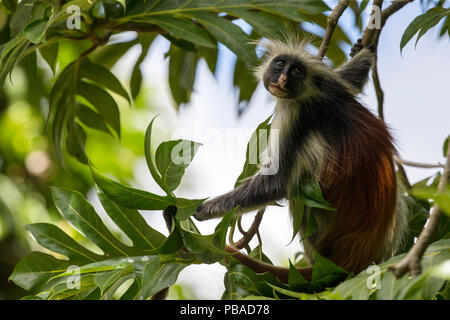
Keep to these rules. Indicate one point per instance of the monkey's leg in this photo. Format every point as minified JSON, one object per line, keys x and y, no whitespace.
{"x":259,"y":191}
{"x":356,"y":70}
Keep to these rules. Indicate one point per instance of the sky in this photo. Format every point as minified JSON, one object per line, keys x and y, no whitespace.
{"x":415,"y":83}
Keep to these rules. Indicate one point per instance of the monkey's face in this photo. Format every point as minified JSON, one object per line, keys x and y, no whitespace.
{"x":285,"y":76}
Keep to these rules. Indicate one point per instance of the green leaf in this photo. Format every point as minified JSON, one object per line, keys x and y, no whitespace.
{"x":105,"y":280}
{"x":241,"y":282}
{"x":221,"y":229}
{"x":311,"y":226}
{"x":103,"y":103}
{"x":253,"y":154}
{"x":229,"y":34}
{"x":186,"y":207}
{"x":445,"y":147}
{"x":148,"y":157}
{"x":435,"y":16}
{"x":297,"y":217}
{"x":74,"y":208}
{"x":210,"y":56}
{"x":173,"y":242}
{"x":172,"y":158}
{"x":35,"y":31}
{"x":308,"y":191}
{"x":50,"y":54}
{"x":296,"y":279}
{"x":76,"y":139}
{"x":184,"y":29}
{"x":132,"y":224}
{"x":35,"y":269}
{"x":90,"y":118}
{"x":136,"y":75}
{"x":266,"y":24}
{"x":129,"y":197}
{"x":53,"y":238}
{"x":422,"y":24}
{"x":164,"y":277}
{"x":145,"y":272}
{"x":244,"y":80}
{"x":182,"y":71}
{"x":325,"y":273}
{"x":389,"y":287}
{"x":103,"y":76}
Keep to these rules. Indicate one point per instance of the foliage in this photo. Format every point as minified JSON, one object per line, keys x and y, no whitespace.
{"x":73,"y":105}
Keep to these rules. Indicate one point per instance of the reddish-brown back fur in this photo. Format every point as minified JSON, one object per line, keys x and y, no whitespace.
{"x":359,"y":181}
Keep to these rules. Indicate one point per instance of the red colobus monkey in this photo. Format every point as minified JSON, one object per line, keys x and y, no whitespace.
{"x":326,"y":134}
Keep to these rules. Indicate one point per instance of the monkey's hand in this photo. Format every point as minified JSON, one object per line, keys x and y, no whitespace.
{"x":358,"y":46}
{"x":213,"y":208}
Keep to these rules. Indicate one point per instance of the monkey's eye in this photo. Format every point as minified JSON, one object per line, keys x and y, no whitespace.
{"x":281,"y":63}
{"x":297,"y":70}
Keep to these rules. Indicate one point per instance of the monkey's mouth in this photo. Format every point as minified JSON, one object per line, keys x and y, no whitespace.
{"x":278,"y":91}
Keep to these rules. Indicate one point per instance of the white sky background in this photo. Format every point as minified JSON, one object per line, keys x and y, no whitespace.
{"x":416,"y":88}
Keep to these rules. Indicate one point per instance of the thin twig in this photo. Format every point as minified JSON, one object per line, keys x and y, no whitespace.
{"x":412,"y":260}
{"x":369,"y":33}
{"x":404,"y":176}
{"x":332,"y":23}
{"x":417,"y":164}
{"x":250,"y":233}
{"x":378,"y":90}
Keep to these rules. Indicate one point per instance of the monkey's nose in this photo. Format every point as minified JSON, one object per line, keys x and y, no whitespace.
{"x":282,"y":80}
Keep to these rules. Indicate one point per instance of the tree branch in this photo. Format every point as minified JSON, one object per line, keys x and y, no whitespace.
{"x":258,"y":266}
{"x":412,"y":260}
{"x":371,"y":34}
{"x":332,"y":23}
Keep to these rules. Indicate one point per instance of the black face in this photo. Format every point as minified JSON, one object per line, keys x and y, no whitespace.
{"x":285,"y":77}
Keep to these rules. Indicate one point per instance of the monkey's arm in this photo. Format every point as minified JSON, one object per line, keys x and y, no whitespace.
{"x":257,"y":192}
{"x":356,"y":70}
